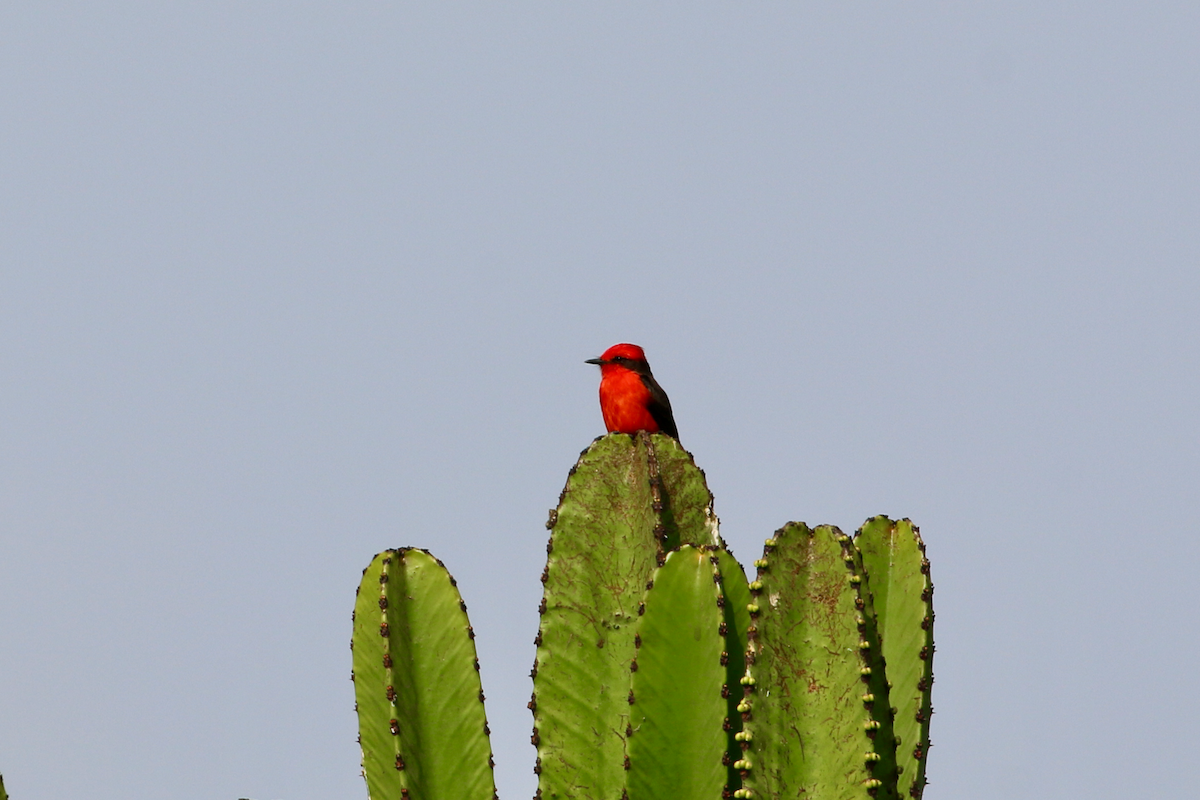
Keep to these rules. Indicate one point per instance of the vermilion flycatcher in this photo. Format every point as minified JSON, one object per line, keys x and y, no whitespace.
{"x":630,"y":399}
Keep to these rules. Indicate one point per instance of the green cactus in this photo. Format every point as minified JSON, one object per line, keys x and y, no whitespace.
{"x":674,"y":736}
{"x":422,"y":725}
{"x":737,"y":605}
{"x":626,"y":502}
{"x":660,"y":671}
{"x":898,"y":575}
{"x":816,"y":712}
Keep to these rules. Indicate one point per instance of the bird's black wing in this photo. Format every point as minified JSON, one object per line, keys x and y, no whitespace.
{"x":659,"y":406}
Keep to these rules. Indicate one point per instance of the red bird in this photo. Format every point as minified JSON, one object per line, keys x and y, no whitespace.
{"x":630,"y":399}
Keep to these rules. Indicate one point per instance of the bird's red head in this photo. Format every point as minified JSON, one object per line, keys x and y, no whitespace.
{"x":625,"y":350}
{"x":618,"y":353}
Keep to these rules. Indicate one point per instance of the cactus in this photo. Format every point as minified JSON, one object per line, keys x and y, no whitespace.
{"x":898,"y":574}
{"x":674,"y":735}
{"x":626,"y":502}
{"x":816,"y":712}
{"x":660,"y":671}
{"x":422,"y":725}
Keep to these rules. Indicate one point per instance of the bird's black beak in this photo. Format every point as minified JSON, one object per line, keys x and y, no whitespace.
{"x":596,"y":361}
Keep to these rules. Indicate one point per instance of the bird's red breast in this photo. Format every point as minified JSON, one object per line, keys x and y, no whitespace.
{"x":630,"y":399}
{"x":624,"y":401}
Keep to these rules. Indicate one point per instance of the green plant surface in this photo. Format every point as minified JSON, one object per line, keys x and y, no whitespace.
{"x":687,"y":503}
{"x":736,"y":591}
{"x":893,"y":556}
{"x":422,"y":724}
{"x":626,"y":498}
{"x":811,"y":711}
{"x":675,"y":738}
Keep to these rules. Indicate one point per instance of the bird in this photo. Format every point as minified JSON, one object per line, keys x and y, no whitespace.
{"x":630,"y":399}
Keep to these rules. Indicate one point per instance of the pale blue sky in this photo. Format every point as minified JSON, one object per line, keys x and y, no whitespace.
{"x":285,"y":284}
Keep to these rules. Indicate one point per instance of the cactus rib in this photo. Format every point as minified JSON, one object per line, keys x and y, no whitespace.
{"x":676,"y":741}
{"x":898,"y":576}
{"x":736,"y":607}
{"x":422,"y":724}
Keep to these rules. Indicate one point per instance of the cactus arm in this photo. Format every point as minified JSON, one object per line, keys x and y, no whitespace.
{"x":675,"y":739}
{"x":809,"y":712}
{"x":602,"y":551}
{"x":736,"y":592}
{"x":422,"y":724}
{"x":898,"y":575}
{"x":627,"y":500}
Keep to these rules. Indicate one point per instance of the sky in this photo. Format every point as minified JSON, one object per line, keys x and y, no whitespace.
{"x":283,"y":285}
